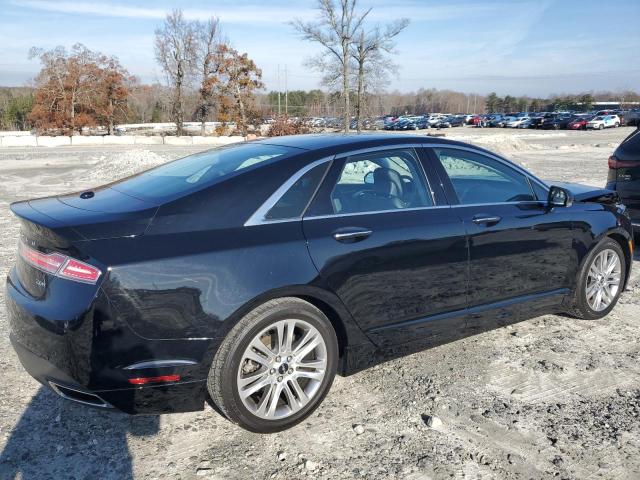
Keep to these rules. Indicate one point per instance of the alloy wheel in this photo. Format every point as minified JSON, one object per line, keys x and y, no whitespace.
{"x":603,"y":280}
{"x":282,"y":369}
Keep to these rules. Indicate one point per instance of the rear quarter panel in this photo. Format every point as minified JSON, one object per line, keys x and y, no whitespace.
{"x":185,"y":285}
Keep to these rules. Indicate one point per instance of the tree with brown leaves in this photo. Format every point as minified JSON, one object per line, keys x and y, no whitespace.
{"x":77,"y":89}
{"x":113,"y":92}
{"x":239,"y":79}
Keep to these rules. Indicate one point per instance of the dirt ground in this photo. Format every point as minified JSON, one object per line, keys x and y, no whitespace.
{"x":552,"y":397}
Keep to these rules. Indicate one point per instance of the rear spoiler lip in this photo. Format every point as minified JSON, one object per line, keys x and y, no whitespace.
{"x":28,"y":215}
{"x":83,"y":232}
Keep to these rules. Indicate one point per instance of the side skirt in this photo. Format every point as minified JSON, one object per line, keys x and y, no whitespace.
{"x":444,"y":328}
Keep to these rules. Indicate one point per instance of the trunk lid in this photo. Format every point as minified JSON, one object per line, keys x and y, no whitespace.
{"x":90,"y":215}
{"x":62,"y":225}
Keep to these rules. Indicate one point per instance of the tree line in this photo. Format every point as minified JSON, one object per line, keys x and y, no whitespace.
{"x":207,"y":79}
{"x":80,"y":88}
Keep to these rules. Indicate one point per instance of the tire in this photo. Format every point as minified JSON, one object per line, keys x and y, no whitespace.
{"x":230,"y":363}
{"x":583,"y":306}
{"x":616,"y":125}
{"x":601,"y":126}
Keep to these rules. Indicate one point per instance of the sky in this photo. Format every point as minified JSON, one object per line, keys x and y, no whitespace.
{"x":514,"y":47}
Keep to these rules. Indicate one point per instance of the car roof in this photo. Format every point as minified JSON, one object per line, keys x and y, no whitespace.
{"x":341,"y":141}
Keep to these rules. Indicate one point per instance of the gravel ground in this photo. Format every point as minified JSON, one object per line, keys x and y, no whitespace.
{"x":552,"y":397}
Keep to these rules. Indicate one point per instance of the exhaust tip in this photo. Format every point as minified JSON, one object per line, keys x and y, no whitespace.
{"x":78,"y":396}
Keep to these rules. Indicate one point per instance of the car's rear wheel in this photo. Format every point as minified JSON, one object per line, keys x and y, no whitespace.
{"x":601,"y":126}
{"x":600,"y":281}
{"x":616,"y":125}
{"x":275,"y":366}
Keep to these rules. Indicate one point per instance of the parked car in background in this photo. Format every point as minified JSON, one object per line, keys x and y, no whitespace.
{"x":633,"y":117}
{"x":457,"y":121}
{"x":250,"y":275}
{"x":604,"y":121}
{"x":557,"y":122}
{"x":580,"y":122}
{"x":450,"y":121}
{"x":539,"y":121}
{"x":516,"y":122}
{"x":526,"y":123}
{"x":624,"y":176}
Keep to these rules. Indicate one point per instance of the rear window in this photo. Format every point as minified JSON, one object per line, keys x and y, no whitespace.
{"x":196,"y":171}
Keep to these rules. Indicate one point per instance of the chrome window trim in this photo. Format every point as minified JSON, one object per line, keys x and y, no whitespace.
{"x":374,"y":212}
{"x":524,"y":202}
{"x":258,"y":217}
{"x":364,"y":151}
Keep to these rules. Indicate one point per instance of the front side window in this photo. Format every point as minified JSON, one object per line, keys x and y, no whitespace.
{"x":480,"y":179}
{"x":380,"y":181}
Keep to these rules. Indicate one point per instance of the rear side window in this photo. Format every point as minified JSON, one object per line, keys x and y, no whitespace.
{"x":480,"y":179}
{"x":295,"y":200}
{"x":196,"y":171}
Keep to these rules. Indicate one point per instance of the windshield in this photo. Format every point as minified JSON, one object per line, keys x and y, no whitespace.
{"x":599,"y":118}
{"x":192,"y":172}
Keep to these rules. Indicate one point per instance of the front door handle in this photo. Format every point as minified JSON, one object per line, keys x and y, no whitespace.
{"x":486,"y":219}
{"x":350,"y":236}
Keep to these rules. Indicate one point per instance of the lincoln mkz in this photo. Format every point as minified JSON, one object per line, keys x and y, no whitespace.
{"x":248,"y":276}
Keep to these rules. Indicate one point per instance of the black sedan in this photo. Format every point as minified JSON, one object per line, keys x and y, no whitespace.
{"x":250,"y":275}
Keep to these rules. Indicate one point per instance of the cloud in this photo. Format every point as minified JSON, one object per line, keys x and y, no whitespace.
{"x":236,"y":14}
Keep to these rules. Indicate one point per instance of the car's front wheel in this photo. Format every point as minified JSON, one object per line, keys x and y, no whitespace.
{"x":600,"y":281}
{"x":275,"y":366}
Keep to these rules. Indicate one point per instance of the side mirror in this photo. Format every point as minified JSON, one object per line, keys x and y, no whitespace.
{"x":368,"y":178}
{"x":559,"y":197}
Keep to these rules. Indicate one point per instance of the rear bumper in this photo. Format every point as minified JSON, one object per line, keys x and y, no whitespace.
{"x":173,"y":398}
{"x":90,"y":357}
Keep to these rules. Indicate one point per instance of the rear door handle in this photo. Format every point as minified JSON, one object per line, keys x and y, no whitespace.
{"x":486,"y":219}
{"x":349,"y":236}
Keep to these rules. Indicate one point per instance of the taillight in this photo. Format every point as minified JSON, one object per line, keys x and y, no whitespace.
{"x":49,"y":263}
{"x":615,"y":163}
{"x":59,"y":265}
{"x":80,"y":271}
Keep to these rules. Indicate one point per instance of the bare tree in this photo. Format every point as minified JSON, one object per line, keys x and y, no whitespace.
{"x":175,"y":52}
{"x":335,"y":31}
{"x":207,"y":39}
{"x":369,"y":55}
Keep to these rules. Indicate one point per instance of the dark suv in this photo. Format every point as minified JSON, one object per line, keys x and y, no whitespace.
{"x":624,"y":175}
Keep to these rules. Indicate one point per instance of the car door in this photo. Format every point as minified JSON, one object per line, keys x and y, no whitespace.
{"x":520,"y":250}
{"x":385,"y":242}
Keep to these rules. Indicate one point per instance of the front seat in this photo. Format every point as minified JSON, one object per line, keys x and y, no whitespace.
{"x":386,"y":193}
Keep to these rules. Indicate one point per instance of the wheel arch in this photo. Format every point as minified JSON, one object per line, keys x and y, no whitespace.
{"x":626,"y":246}
{"x":347,"y":331}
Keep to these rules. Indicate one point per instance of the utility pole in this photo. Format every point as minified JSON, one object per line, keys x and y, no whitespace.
{"x":286,"y":92}
{"x":279,"y":112}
